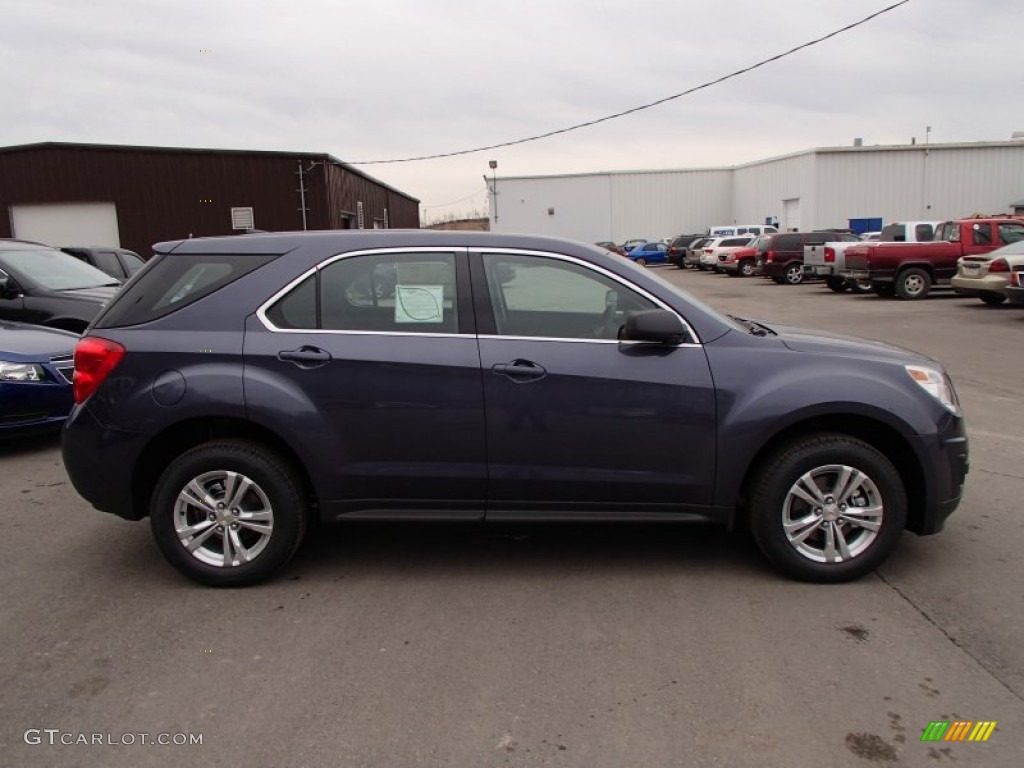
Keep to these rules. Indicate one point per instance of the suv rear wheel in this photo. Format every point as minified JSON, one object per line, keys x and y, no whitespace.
{"x":827,"y":508}
{"x":794,"y":274}
{"x":228,"y":513}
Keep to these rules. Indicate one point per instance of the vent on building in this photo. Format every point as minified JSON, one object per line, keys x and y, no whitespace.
{"x":858,"y":142}
{"x":386,"y":225}
{"x":360,"y":219}
{"x":242,"y":218}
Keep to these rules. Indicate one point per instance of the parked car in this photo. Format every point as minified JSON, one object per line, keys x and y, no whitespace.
{"x":871,"y":235}
{"x":782,"y":257}
{"x":986,"y":276}
{"x":734,"y":230}
{"x":649,"y":253}
{"x":677,"y":249}
{"x":694,"y":251}
{"x":36,"y":369}
{"x":116,"y":262}
{"x":710,"y":249}
{"x":1015,"y":288}
{"x":738,"y":261}
{"x":488,"y":386}
{"x":629,"y":245}
{"x":609,"y":246}
{"x":909,"y":270}
{"x":44,"y":286}
{"x":828,"y":260}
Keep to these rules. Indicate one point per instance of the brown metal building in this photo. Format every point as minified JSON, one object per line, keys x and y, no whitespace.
{"x":150,"y":194}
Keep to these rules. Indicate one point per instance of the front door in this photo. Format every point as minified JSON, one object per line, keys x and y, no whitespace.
{"x":578,"y":423}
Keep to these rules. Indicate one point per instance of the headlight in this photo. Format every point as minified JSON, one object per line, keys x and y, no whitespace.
{"x":21,"y":372}
{"x":935,"y":383}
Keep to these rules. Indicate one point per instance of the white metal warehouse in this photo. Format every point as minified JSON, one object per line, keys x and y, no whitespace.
{"x":816,"y":188}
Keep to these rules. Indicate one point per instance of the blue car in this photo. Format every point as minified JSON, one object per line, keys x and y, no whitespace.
{"x":36,"y":367}
{"x":650,"y":253}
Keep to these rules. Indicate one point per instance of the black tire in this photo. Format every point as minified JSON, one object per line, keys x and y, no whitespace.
{"x":640,"y":261}
{"x":772,"y":503}
{"x":794,"y":274}
{"x":992,"y":299}
{"x":778,"y":280}
{"x":885,"y":290}
{"x":861,"y":287}
{"x":274,"y":485}
{"x":913,"y":283}
{"x":747,"y":268}
{"x":837,"y":284}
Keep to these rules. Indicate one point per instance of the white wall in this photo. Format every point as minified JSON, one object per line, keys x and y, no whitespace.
{"x":581,"y":204}
{"x":60,"y":224}
{"x":832,"y":185}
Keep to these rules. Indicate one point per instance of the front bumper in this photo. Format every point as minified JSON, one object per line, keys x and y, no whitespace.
{"x":945,"y":462}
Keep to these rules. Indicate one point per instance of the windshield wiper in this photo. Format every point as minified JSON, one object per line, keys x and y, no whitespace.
{"x":756,"y":328}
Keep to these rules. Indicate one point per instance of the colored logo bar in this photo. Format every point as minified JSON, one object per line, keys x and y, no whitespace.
{"x":958,"y":730}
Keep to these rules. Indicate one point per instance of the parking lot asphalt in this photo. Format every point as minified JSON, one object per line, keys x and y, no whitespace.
{"x":528,"y":645}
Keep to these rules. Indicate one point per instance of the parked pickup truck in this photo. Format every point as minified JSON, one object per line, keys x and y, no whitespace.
{"x":828,"y":260}
{"x":909,"y":270}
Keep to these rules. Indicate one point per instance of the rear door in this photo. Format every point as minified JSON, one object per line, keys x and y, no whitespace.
{"x":579,"y":424}
{"x":371,"y":362}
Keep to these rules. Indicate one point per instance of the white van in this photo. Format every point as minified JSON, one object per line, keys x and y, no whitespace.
{"x":735,"y":230}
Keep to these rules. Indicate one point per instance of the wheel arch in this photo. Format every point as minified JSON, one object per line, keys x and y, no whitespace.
{"x":876,"y":433}
{"x":175,"y":439}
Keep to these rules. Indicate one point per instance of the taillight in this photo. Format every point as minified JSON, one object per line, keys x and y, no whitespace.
{"x":707,"y":251}
{"x":830,"y":255}
{"x":769,"y":256}
{"x":95,"y":358}
{"x":999,"y":265}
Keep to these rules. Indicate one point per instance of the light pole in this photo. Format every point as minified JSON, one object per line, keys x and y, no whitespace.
{"x":493,"y":165}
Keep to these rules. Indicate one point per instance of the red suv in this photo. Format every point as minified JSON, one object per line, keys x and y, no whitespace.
{"x":781,"y":256}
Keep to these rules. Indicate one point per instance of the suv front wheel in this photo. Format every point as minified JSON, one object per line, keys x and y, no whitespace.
{"x":827,"y":508}
{"x":228,"y":513}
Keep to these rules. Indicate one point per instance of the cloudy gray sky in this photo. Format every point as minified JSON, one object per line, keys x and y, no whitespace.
{"x":389,"y":79}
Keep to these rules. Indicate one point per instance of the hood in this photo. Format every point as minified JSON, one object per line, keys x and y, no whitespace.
{"x":824,"y":342}
{"x":101,"y":294}
{"x":20,"y":340}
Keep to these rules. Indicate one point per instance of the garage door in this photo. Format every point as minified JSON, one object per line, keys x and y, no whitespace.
{"x":791,"y":214}
{"x":67,"y":223}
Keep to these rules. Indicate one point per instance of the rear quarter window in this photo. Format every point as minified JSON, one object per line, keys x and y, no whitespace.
{"x":173,"y":282}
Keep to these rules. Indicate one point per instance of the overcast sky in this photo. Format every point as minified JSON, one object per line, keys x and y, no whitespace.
{"x":382,"y":79}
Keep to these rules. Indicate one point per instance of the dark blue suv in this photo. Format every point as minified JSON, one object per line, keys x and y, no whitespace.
{"x":237,"y":386}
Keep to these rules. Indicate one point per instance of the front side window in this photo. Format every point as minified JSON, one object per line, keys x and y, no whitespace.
{"x":394,"y":292}
{"x":132,"y":263}
{"x":1010,"y":233}
{"x":535,"y":296}
{"x":107,"y":261}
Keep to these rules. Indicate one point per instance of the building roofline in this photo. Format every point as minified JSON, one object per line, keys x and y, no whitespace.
{"x":788,"y":156}
{"x":322,"y":157}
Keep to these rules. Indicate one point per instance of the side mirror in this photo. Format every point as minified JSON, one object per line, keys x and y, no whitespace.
{"x":657,"y":325}
{"x":5,"y":286}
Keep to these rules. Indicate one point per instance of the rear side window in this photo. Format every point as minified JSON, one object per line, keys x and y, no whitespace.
{"x":786,"y":242}
{"x":894,"y":233}
{"x":173,"y":282}
{"x":924,"y":233}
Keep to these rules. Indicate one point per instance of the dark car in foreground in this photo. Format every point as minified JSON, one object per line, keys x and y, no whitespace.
{"x":43,"y":286}
{"x":36,"y":367}
{"x":239,"y":387}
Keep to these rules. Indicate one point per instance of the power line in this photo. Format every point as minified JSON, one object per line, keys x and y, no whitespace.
{"x":461,"y":199}
{"x":642,"y":107}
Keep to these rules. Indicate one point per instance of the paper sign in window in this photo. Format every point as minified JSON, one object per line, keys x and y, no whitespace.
{"x":419,"y":303}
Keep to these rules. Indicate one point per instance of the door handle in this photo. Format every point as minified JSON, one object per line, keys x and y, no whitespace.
{"x":305,"y":356}
{"x":520,"y":370}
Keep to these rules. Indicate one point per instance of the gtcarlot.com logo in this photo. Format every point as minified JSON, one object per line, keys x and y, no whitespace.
{"x":57,"y":737}
{"x":958,"y":730}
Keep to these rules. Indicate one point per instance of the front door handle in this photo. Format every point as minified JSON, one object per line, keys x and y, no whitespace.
{"x":305,"y":356}
{"x":520,"y":370}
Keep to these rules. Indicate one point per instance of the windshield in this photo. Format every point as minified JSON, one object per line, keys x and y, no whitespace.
{"x":54,"y":270}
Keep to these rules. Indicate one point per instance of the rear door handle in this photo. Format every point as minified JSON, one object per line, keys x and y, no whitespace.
{"x":305,"y":356}
{"x":520,"y":370}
